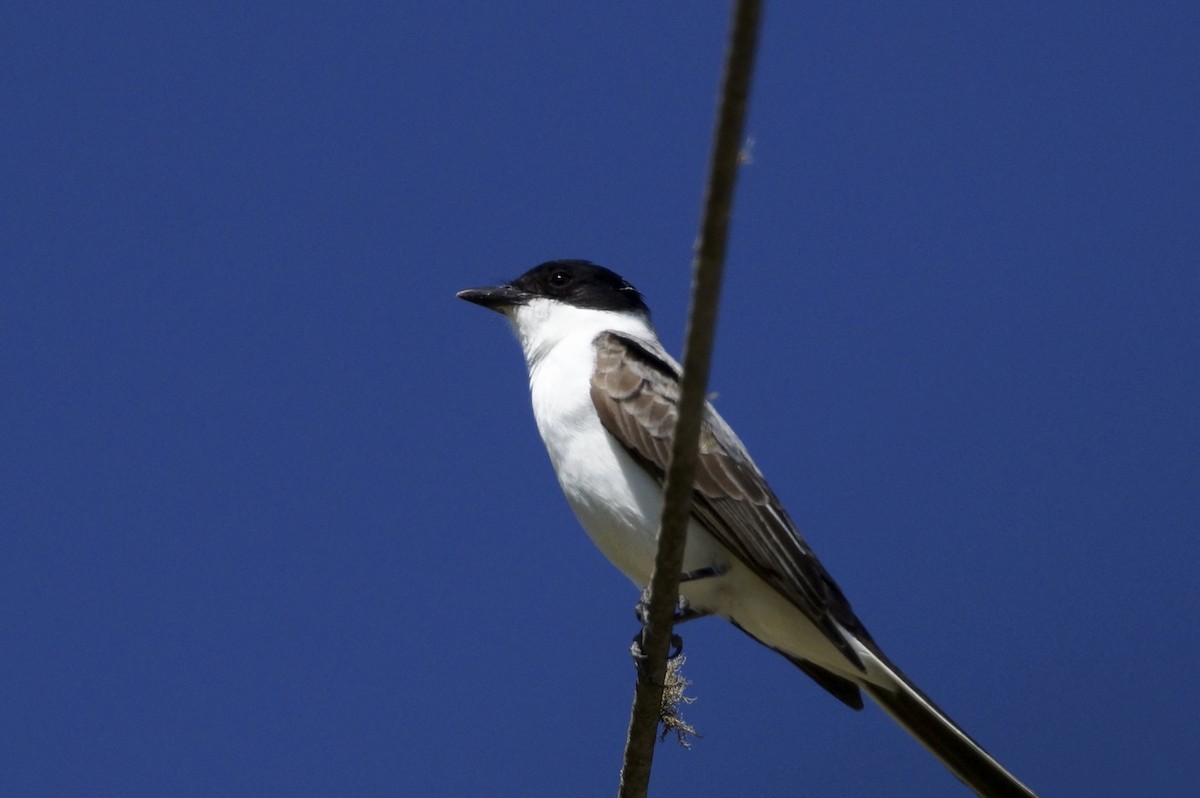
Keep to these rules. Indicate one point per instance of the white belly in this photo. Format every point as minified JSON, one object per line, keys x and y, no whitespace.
{"x":619,"y":505}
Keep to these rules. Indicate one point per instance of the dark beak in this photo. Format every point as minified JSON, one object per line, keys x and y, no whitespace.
{"x":497,"y":298}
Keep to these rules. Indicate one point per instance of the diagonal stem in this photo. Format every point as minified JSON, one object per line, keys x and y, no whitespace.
{"x":697,"y":355}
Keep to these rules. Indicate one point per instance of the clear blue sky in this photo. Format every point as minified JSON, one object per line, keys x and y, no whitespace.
{"x":275,"y":516}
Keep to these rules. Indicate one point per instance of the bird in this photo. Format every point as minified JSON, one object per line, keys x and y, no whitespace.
{"x":605,"y":396}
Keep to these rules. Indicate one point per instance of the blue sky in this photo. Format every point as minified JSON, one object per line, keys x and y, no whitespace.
{"x":276,"y":519}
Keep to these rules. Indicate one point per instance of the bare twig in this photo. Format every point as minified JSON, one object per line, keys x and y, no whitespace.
{"x":697,"y":354}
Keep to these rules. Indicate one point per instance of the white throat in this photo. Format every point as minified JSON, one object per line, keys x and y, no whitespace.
{"x":616,"y":501}
{"x":543,"y":324}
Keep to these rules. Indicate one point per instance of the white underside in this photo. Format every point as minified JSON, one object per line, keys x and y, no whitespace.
{"x":619,"y":504}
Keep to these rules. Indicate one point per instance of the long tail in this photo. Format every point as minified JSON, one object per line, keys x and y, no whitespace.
{"x":913,"y":710}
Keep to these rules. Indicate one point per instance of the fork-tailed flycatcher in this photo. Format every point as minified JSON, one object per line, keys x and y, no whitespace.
{"x":605,"y":396}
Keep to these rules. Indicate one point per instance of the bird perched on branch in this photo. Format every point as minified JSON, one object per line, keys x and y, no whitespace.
{"x":605,"y":397}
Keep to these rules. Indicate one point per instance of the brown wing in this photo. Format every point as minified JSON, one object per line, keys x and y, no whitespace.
{"x":636,"y":393}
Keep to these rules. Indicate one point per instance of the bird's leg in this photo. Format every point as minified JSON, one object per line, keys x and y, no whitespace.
{"x":684,"y":612}
{"x":707,"y":572}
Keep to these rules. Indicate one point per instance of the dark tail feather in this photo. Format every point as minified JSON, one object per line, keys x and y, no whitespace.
{"x":843,"y":690}
{"x":974,"y":766}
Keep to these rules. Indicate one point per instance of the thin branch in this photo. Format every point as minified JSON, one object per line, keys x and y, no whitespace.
{"x":707,"y":267}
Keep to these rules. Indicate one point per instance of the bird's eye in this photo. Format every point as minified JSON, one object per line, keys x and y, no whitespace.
{"x":560,"y":279}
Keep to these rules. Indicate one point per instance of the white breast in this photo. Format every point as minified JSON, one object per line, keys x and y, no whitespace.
{"x":616,"y":501}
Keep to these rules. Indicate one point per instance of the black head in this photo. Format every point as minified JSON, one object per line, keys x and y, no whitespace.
{"x":574,"y":282}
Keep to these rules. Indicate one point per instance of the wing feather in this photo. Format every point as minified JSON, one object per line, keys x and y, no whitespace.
{"x":636,"y":393}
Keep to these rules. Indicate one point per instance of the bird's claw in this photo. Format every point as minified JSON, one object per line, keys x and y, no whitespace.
{"x":683,"y":613}
{"x":641,"y":659}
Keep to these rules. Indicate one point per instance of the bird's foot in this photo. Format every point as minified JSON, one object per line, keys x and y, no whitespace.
{"x":641,"y":660}
{"x":684,"y":611}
